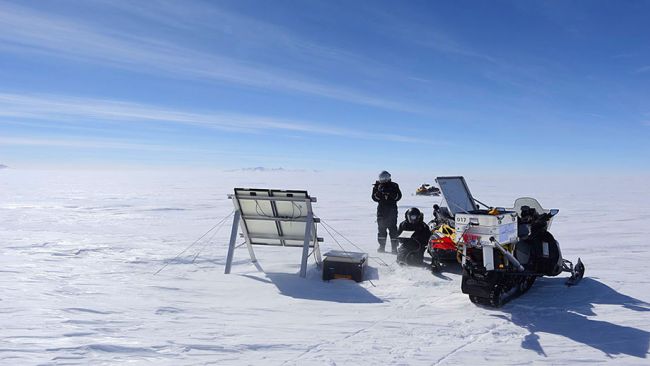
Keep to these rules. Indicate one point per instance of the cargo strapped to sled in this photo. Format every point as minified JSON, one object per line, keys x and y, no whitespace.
{"x":274,"y":217}
{"x":475,"y":227}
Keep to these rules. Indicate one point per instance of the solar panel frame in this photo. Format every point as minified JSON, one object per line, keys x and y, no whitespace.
{"x":275,"y":217}
{"x":267,"y":221}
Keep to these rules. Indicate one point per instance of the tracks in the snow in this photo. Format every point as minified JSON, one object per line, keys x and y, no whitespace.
{"x":462,"y":346}
{"x":394,"y":312}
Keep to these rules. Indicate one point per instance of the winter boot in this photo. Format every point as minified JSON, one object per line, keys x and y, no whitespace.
{"x":393,"y":246}
{"x":382,"y":244}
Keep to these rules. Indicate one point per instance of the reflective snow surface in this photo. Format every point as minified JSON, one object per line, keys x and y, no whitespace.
{"x":80,"y":249}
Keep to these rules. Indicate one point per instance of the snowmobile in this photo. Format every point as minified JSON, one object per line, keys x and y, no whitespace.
{"x":517,"y":266}
{"x":427,"y":190}
{"x":504,"y":250}
{"x":443,"y":248}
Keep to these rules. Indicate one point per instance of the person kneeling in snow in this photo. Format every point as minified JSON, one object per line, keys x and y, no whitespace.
{"x":411,"y":250}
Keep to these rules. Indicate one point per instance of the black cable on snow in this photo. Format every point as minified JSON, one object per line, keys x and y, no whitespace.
{"x":196,"y":241}
{"x":332,"y":236}
{"x":377,"y":259}
{"x":209,"y":240}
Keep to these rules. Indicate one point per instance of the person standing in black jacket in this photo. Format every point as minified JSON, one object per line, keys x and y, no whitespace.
{"x":411,"y":251}
{"x":386,"y":193}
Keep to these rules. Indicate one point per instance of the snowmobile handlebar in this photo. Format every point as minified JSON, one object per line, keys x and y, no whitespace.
{"x":545,"y":217}
{"x":531,"y":216}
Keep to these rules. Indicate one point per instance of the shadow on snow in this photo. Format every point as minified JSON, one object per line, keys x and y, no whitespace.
{"x":545,"y":310}
{"x":314,"y":288}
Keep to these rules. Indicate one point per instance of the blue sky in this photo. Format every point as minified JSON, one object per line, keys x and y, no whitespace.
{"x":420,"y":85}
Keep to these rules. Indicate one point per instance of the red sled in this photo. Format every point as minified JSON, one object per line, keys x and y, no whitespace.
{"x":443,"y":251}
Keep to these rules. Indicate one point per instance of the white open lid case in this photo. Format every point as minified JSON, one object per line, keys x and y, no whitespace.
{"x":456,"y":195}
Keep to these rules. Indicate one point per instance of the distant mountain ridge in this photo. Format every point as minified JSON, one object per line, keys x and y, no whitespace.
{"x":257,"y":169}
{"x":265,"y":169}
{"x":261,"y":169}
{"x":2,"y":166}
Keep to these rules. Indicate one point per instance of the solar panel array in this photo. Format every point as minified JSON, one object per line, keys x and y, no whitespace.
{"x":275,"y":217}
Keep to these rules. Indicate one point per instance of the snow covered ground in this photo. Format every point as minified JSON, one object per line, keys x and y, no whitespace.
{"x":80,"y":249}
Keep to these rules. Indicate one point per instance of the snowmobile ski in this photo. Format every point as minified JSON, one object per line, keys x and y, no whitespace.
{"x":577,"y":272}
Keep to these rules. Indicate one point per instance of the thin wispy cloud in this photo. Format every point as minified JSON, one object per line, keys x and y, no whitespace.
{"x":84,"y":143}
{"x":643,"y":69}
{"x":447,"y":45}
{"x":103,"y":144}
{"x":502,"y":69}
{"x":56,"y":109}
{"x":410,"y":31}
{"x":24,"y":30}
{"x":251,"y":32}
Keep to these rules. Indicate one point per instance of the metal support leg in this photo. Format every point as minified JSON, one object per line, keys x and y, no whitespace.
{"x":233,"y":240}
{"x":251,"y":252}
{"x":305,"y":245}
{"x":319,"y":259}
{"x":464,"y":255}
{"x":317,"y":255}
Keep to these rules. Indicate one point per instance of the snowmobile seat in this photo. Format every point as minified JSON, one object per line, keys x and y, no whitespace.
{"x":442,"y":216}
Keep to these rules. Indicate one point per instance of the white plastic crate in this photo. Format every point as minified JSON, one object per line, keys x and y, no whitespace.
{"x":479,"y":227}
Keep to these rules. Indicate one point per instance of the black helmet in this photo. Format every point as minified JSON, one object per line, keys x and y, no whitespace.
{"x":384,"y":177}
{"x":413,"y":215}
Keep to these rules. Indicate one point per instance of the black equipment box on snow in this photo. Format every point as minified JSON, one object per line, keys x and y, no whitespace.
{"x":340,"y":264}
